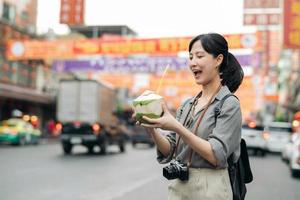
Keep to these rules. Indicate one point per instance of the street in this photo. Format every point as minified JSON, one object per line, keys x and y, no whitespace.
{"x":43,"y":173}
{"x":85,"y":75}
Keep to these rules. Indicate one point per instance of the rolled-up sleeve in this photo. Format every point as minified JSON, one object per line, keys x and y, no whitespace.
{"x":165,"y":159}
{"x":171,"y":137}
{"x":225,"y":137}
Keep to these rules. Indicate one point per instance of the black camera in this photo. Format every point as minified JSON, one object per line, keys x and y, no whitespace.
{"x":176,"y":169}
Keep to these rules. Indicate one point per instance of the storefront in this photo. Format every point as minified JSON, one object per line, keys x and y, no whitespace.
{"x":28,"y":101}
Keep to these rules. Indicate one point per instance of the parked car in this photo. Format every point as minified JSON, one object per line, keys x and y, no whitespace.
{"x":255,"y":138}
{"x":279,"y":135}
{"x":291,"y":153}
{"x":18,"y":132}
{"x":287,"y":151}
{"x":139,"y":135}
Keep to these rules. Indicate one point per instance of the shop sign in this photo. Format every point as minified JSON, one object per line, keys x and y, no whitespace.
{"x":261,"y":19}
{"x":291,"y":24}
{"x":261,"y":4}
{"x":122,"y":64}
{"x":152,"y":64}
{"x":71,"y":48}
{"x":72,"y":12}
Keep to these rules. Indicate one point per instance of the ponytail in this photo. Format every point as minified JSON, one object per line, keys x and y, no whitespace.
{"x":231,"y":73}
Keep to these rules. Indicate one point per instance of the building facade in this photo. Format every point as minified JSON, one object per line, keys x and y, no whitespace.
{"x":22,"y":82}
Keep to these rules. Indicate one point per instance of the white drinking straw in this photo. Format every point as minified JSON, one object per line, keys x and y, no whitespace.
{"x":162,"y":78}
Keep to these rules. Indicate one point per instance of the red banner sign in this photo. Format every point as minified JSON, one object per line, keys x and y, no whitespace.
{"x":63,"y":49}
{"x":72,"y":12}
{"x":292,"y":24}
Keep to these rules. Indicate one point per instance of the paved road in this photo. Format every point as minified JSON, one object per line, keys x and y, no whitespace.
{"x":44,"y":173}
{"x":272,"y":180}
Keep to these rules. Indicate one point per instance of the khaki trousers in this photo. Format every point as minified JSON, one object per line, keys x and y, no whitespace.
{"x":203,"y":184}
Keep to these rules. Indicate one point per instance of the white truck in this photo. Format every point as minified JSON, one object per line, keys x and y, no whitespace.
{"x":85,"y":109}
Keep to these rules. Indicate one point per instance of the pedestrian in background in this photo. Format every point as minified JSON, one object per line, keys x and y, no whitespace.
{"x":203,"y":148}
{"x":50,"y":128}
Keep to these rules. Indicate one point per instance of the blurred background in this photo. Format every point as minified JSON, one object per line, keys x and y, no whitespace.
{"x":69,"y":70}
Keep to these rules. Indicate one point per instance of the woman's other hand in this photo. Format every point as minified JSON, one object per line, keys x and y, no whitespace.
{"x":149,"y":130}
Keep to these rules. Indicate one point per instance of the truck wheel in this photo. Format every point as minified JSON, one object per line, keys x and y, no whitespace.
{"x":295,"y":173}
{"x":122,"y":147}
{"x":103,"y":147}
{"x":67,"y":147}
{"x":134,"y":143}
{"x":90,"y":149}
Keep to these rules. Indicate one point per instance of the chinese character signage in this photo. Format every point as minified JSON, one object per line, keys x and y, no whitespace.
{"x":292,"y":24}
{"x":72,"y":12}
{"x":137,"y":64}
{"x":261,"y":19}
{"x":262,"y":12}
{"x":261,"y":4}
{"x":122,"y":64}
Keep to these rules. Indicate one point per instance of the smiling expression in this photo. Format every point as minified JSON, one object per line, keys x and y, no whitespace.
{"x":204,"y":65}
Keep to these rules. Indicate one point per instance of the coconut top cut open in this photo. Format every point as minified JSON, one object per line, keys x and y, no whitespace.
{"x":146,"y":97}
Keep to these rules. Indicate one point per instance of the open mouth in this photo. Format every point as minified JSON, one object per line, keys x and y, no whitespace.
{"x":197,"y":72}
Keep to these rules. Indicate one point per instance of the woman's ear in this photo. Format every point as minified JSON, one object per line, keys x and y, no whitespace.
{"x":220,"y":58}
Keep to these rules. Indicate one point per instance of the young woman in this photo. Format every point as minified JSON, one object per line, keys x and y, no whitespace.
{"x":207,"y":146}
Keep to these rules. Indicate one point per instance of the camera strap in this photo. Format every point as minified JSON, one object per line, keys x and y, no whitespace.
{"x":198,"y":122}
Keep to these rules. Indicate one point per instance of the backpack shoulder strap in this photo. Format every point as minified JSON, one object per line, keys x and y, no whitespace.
{"x":220,"y":104}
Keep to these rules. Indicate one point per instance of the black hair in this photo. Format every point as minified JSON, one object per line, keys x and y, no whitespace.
{"x":230,"y":69}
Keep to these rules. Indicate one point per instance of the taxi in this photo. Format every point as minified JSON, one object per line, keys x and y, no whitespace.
{"x":18,"y":132}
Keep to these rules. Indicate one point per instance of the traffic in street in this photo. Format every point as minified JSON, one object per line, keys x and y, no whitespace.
{"x":91,"y":102}
{"x":45,"y":172}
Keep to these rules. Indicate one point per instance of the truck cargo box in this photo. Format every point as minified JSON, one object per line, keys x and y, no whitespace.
{"x":86,"y":101}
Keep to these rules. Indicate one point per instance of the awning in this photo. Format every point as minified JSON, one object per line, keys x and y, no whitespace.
{"x":25,"y":94}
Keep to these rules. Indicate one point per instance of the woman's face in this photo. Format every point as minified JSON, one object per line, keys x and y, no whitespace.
{"x":203,"y":65}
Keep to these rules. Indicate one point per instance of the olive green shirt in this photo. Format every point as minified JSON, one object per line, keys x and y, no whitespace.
{"x":223,"y":133}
